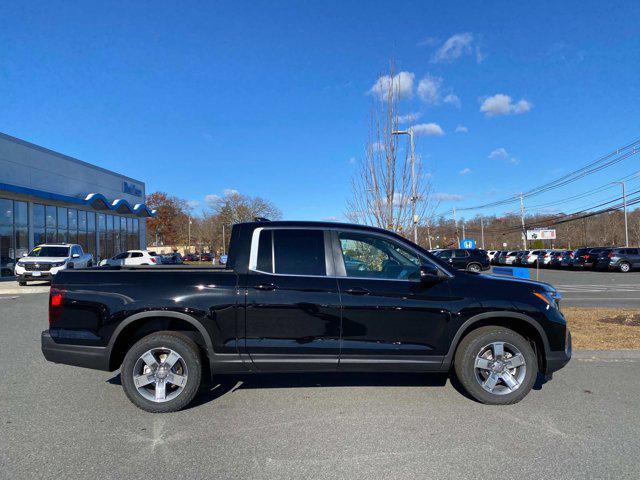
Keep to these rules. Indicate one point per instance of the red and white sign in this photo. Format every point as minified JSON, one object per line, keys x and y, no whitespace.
{"x":541,"y":234}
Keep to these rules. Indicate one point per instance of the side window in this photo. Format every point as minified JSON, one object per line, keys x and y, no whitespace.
{"x":292,"y":252}
{"x":460,"y":253}
{"x":445,"y":254}
{"x":136,"y":255}
{"x":79,"y":250}
{"x":120,"y":256}
{"x":370,"y":256}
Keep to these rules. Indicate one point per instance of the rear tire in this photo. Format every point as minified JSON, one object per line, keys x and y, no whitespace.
{"x":162,"y":372}
{"x":625,"y":267}
{"x":22,"y":283}
{"x":496,"y":365}
{"x":474,"y":267}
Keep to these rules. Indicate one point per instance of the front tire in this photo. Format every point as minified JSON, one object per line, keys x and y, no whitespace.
{"x":474,"y":267}
{"x":162,"y":372}
{"x":496,"y":365}
{"x":625,"y":267}
{"x":22,"y":283}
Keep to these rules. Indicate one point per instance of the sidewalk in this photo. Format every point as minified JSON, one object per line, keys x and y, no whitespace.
{"x":12,"y":288}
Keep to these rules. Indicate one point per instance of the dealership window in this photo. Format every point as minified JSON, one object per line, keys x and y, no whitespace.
{"x":91,"y":234}
{"x":51,"y":223}
{"x":123,"y":234}
{"x":136,"y":233}
{"x":110,"y":236}
{"x":38,"y":224}
{"x":14,"y":240}
{"x":62,"y":225}
{"x":82,"y":229}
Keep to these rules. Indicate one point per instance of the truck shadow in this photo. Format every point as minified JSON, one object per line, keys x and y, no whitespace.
{"x":224,"y":384}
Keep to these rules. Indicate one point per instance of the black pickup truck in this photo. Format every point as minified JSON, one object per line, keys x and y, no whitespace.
{"x":301,"y":297}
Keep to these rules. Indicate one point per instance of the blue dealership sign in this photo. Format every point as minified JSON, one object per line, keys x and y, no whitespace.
{"x":468,"y":243}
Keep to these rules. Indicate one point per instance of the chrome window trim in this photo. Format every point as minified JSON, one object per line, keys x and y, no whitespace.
{"x":335,"y":267}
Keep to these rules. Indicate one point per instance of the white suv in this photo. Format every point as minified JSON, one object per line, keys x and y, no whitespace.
{"x":133,"y":257}
{"x":45,"y":260}
{"x":532,"y":257}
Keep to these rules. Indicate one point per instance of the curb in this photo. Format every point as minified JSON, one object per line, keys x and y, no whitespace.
{"x":605,"y":354}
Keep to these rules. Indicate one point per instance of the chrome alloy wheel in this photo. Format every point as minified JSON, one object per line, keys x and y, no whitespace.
{"x":160,"y":375}
{"x":500,"y":368}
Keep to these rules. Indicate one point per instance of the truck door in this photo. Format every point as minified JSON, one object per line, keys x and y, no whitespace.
{"x":292,"y":314}
{"x":389,"y":317}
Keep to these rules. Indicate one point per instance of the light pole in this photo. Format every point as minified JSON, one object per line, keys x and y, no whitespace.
{"x":189,"y":235}
{"x":414,"y":198}
{"x":624,"y":205}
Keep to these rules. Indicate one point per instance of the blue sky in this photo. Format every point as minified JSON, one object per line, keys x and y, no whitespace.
{"x":272,"y":98}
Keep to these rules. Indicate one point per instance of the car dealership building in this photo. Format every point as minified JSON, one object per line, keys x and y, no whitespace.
{"x":46,"y":196}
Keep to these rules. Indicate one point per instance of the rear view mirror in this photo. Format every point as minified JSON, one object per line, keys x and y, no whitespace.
{"x":75,"y":255}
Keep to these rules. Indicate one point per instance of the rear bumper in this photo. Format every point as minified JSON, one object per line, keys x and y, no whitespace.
{"x":557,"y":360}
{"x":96,"y":358}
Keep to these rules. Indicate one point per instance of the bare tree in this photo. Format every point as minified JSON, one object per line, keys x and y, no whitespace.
{"x":381,"y":186}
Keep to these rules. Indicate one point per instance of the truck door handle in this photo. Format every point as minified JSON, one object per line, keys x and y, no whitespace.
{"x":358,"y":291}
{"x":265,"y":286}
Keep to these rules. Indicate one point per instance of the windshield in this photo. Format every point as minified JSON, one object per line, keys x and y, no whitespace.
{"x":49,"y":252}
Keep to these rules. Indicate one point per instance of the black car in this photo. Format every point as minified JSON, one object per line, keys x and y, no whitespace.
{"x":471,"y":259}
{"x":623,"y":259}
{"x":288,"y":301}
{"x":172,"y":259}
{"x":557,"y":256}
{"x":586,"y":257}
{"x":519,"y":256}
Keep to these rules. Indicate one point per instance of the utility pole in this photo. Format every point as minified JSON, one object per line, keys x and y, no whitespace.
{"x":223,"y":242}
{"x":455,"y":222}
{"x":414,"y":197}
{"x":624,"y":204}
{"x":524,"y":233}
{"x":464,"y":235}
{"x":482,"y":231}
{"x":189,"y":236}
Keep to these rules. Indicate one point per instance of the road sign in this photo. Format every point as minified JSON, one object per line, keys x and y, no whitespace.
{"x":468,"y":243}
{"x":541,"y":234}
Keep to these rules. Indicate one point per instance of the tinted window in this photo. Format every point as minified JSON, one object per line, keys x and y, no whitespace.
{"x":370,"y":256}
{"x":460,"y":253}
{"x":120,"y":256}
{"x":299,"y":252}
{"x":445,"y":254}
{"x":136,"y":255}
{"x":265,"y":251}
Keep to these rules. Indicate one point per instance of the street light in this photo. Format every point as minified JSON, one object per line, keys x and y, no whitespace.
{"x":413,"y":198}
{"x":624,"y":204}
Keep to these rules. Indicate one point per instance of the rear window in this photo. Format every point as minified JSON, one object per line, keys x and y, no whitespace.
{"x":292,"y":252}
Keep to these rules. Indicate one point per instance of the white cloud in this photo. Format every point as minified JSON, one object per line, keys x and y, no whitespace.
{"x":230,"y":191}
{"x":352,"y":160}
{"x":447,"y":197}
{"x":429,"y":129}
{"x":377,"y":146}
{"x":193,"y":203}
{"x":429,"y":89}
{"x":452,"y":99}
{"x":428,"y":42}
{"x":501,"y":104}
{"x":212,"y":199}
{"x":461,"y":129}
{"x":465,"y":171}
{"x":409,"y":117}
{"x":401,"y":85}
{"x":514,"y":161}
{"x":455,"y":46}
{"x":498,"y":153}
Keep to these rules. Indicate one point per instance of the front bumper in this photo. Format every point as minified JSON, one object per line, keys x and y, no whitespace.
{"x":85,"y":356}
{"x":24,"y":274}
{"x":557,"y":360}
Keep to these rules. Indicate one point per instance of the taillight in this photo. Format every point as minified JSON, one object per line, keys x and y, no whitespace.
{"x":153,"y":260}
{"x":56,"y":301}
{"x":611,"y":254}
{"x":571,"y":255}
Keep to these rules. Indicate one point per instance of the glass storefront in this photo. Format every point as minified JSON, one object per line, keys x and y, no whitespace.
{"x":14,"y":234}
{"x":115,"y":233}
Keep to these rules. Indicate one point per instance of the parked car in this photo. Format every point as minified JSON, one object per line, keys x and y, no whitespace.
{"x":491,"y":254}
{"x":47,"y":260}
{"x":532,"y":257}
{"x":567,"y":259}
{"x":622,"y":259}
{"x":556,"y":257}
{"x":510,"y":257}
{"x":471,"y":259}
{"x":132,"y":257}
{"x":205,"y":257}
{"x":520,"y":255}
{"x":496,"y":255}
{"x":545,"y":257}
{"x":586,"y":257}
{"x":191,"y":257}
{"x":172,"y":259}
{"x":287,"y":302}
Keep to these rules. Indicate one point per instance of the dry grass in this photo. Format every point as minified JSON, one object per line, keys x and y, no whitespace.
{"x":603,"y":328}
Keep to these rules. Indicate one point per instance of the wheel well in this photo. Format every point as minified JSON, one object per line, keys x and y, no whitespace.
{"x":145,"y":326}
{"x":522,"y":327}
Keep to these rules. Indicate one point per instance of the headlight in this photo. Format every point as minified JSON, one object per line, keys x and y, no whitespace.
{"x":20,"y":263}
{"x":58,"y":264}
{"x":550,"y":297}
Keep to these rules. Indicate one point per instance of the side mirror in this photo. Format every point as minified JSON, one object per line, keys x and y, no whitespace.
{"x":429,"y":273}
{"x":25,"y":254}
{"x":75,"y":255}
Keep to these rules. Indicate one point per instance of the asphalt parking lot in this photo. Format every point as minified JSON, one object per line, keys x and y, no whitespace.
{"x":67,"y":422}
{"x":593,"y":288}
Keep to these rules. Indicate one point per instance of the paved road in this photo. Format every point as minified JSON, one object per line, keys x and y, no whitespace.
{"x":67,"y":422}
{"x":594,"y":288}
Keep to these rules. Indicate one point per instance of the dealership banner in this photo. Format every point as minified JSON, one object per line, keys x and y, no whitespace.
{"x":541,"y":234}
